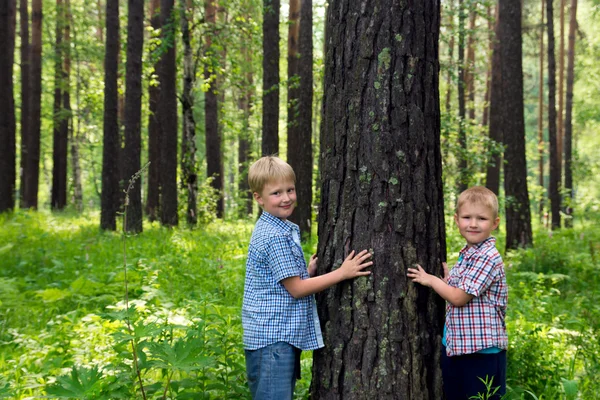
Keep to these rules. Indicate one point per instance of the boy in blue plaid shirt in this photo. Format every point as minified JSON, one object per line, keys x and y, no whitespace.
{"x":279,"y":313}
{"x":476,"y":293}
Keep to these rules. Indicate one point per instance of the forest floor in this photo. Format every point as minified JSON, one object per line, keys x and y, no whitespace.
{"x":65,"y":332}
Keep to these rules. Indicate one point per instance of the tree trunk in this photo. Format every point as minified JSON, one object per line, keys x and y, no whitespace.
{"x":569,"y":115}
{"x":382,"y":190}
{"x":154,"y":131}
{"x":188,"y":148}
{"x":133,"y":105}
{"x":470,"y":66}
{"x":8,"y":11}
{"x":31,"y":171}
{"x":25,"y":92}
{"x":76,"y":138}
{"x":541,"y":117}
{"x":554,"y":185}
{"x":450,"y":7}
{"x":485,"y":118}
{"x":111,"y":139}
{"x":270,"y":97}
{"x":492,"y":180}
{"x":58,"y":198}
{"x":463,"y":177}
{"x":561,"y":91}
{"x":167,"y":109}
{"x":518,"y":215}
{"x":214,"y":161}
{"x":245,"y":140}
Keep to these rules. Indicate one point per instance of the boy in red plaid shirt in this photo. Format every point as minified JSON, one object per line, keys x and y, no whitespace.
{"x":476,"y":293}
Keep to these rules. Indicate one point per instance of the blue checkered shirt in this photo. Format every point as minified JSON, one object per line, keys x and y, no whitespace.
{"x":270,"y":313}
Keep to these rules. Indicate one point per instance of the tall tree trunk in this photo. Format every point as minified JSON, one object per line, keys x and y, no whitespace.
{"x":154,"y":131}
{"x":133,"y":105}
{"x":76,"y":137}
{"x":167,"y":109}
{"x":31,"y":172}
{"x":100,"y":24}
{"x":488,"y":71}
{"x":561,"y":91}
{"x":25,"y":92}
{"x":470,"y":66}
{"x":270,"y":97}
{"x":245,"y":140}
{"x":58,"y":198}
{"x":463,"y":178}
{"x":492,"y":180}
{"x":541,"y":116}
{"x":214,"y":161}
{"x":518,"y":214}
{"x":381,"y":189}
{"x":111,"y":139}
{"x":8,"y":12}
{"x":554,"y":185}
{"x":188,"y":150}
{"x":450,"y":6}
{"x":569,"y":115}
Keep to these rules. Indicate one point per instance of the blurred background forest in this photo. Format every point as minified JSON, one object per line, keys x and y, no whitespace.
{"x":170,"y":101}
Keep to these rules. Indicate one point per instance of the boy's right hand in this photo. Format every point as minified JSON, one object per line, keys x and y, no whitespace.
{"x":353,"y":265}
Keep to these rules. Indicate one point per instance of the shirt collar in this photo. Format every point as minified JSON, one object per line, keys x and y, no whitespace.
{"x":467,"y":251}
{"x":276,"y":222}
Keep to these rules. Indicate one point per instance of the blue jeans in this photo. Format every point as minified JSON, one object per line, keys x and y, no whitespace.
{"x":272,"y":371}
{"x":461,"y":374}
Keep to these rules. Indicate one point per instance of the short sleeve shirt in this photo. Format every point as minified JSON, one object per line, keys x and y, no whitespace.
{"x":480,"y":324}
{"x":270,"y":313}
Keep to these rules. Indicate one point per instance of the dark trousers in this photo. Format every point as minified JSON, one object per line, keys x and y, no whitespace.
{"x":461,"y":374}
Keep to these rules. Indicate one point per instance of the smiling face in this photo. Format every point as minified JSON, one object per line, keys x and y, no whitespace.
{"x":475,"y":222}
{"x":278,"y":198}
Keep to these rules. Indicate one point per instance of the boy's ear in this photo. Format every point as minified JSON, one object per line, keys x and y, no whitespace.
{"x":456,"y":219}
{"x":496,"y":223}
{"x":258,"y":199}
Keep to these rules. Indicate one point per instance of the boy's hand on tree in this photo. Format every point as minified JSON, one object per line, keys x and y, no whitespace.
{"x":353,"y":265}
{"x":312,"y":265}
{"x":419,"y":275}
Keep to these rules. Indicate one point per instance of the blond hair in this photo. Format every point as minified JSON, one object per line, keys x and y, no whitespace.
{"x":479,"y":195}
{"x":267,"y":169}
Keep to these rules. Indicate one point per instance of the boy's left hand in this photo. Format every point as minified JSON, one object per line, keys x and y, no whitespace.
{"x":312,"y":265}
{"x":419,"y":275}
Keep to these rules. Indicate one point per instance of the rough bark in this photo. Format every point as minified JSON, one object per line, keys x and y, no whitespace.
{"x":31,"y":170}
{"x":569,"y":115}
{"x":25,"y":90}
{"x":492,"y":180}
{"x":270,"y":97}
{"x":167,"y":110}
{"x":188,"y":146}
{"x":214,"y":160}
{"x":8,"y":10}
{"x":518,"y":215}
{"x":381,"y":189}
{"x":133,"y":105}
{"x":111,"y":139}
{"x":554,"y":184}
{"x":154,"y":131}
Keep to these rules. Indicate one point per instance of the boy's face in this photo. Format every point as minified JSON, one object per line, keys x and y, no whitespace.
{"x":475,"y":222}
{"x":278,"y":198}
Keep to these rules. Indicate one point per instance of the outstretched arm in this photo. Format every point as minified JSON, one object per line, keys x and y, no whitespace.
{"x":455,"y":296}
{"x":351,"y":268}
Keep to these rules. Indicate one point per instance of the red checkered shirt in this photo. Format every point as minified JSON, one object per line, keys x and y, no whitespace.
{"x":480,"y":323}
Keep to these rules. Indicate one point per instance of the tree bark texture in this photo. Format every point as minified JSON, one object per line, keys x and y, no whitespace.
{"x":188,"y":147}
{"x":154,"y":131}
{"x":214,"y":156}
{"x":569,"y":114}
{"x":25,"y":90}
{"x":167,"y":109}
{"x":111,"y":140}
{"x":518,"y":215}
{"x":31,"y":171}
{"x":381,"y":190}
{"x":299,"y":151}
{"x":133,"y":105}
{"x":270,"y":97}
{"x":554,"y":183}
{"x":496,"y":134}
{"x":8,"y":10}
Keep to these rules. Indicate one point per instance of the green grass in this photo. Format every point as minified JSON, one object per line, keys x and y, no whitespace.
{"x":64,"y":327}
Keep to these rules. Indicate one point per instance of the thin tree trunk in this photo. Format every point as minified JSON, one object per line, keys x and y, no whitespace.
{"x":569,"y":115}
{"x":561,"y":92}
{"x":449,"y":85}
{"x":111,"y":140}
{"x":100,"y":23}
{"x":8,"y":12}
{"x":188,"y":151}
{"x":270,"y":120}
{"x":541,"y":117}
{"x":245,"y":140}
{"x":154,"y":131}
{"x":462,"y":135}
{"x":496,"y":134}
{"x":554,"y":185}
{"x":31,"y":172}
{"x":133,"y":99}
{"x":25,"y":93}
{"x":470,"y":66}
{"x":485,"y":118}
{"x":76,"y":137}
{"x":167,"y":109}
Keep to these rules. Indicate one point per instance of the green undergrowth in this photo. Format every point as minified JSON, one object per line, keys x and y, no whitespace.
{"x":65,"y":331}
